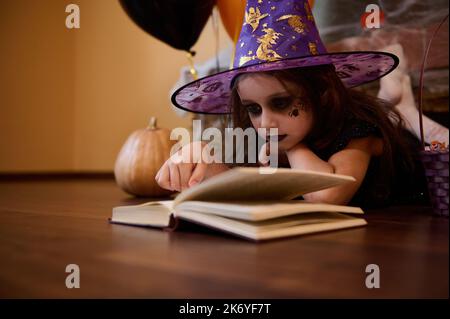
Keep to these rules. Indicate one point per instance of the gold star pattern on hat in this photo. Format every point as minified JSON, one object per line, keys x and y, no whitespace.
{"x":295,"y":22}
{"x":253,"y":16}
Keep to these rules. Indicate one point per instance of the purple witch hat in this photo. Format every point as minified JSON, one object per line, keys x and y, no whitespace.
{"x":279,"y":34}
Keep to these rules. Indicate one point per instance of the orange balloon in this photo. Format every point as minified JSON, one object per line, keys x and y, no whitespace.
{"x":232,"y":15}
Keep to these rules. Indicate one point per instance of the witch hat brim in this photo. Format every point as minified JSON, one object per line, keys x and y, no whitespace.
{"x":211,"y":94}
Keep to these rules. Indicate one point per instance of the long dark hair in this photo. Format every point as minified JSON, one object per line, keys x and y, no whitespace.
{"x":332,"y":104}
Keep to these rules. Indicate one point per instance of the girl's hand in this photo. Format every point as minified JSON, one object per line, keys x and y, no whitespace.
{"x":266,"y":154}
{"x":187,"y":167}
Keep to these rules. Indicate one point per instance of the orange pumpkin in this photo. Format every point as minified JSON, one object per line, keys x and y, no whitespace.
{"x":140,"y":158}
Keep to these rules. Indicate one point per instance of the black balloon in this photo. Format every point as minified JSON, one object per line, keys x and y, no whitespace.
{"x":175,"y":22}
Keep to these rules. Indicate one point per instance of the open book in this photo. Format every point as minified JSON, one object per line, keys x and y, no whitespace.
{"x":246,"y":203}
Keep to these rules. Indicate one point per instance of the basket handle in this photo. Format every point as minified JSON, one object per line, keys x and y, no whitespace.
{"x":421,"y":80}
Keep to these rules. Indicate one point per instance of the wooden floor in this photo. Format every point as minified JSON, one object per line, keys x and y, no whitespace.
{"x":46,"y":224}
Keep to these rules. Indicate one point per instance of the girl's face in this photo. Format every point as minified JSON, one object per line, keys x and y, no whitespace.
{"x":270,"y":105}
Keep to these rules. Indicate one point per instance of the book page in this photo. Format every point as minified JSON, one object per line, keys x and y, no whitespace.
{"x":247,"y":183}
{"x":275,"y":228}
{"x":262,"y":210}
{"x":156,"y":214}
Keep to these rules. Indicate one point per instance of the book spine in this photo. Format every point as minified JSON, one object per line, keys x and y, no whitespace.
{"x":174,"y":223}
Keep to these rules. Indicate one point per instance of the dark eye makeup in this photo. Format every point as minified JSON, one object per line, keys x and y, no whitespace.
{"x":276,"y":103}
{"x":253,"y":109}
{"x":281,"y":103}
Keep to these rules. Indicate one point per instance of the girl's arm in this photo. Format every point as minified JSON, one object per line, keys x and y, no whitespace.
{"x":353,"y":160}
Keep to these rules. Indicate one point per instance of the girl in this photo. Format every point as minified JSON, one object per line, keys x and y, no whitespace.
{"x":323,"y":124}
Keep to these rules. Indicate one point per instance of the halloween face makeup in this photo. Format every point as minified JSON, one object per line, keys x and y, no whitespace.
{"x":270,"y":104}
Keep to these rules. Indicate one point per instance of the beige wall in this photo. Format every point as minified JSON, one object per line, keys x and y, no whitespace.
{"x":70,"y":98}
{"x":36,"y":87}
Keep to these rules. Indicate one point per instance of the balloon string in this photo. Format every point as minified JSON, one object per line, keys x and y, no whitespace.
{"x":421,"y":80}
{"x":215,"y":25}
{"x":237,"y":31}
{"x":234,"y":48}
{"x":190,"y":55}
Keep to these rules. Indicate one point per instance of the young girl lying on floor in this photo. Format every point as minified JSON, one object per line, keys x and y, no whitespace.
{"x":323,"y":124}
